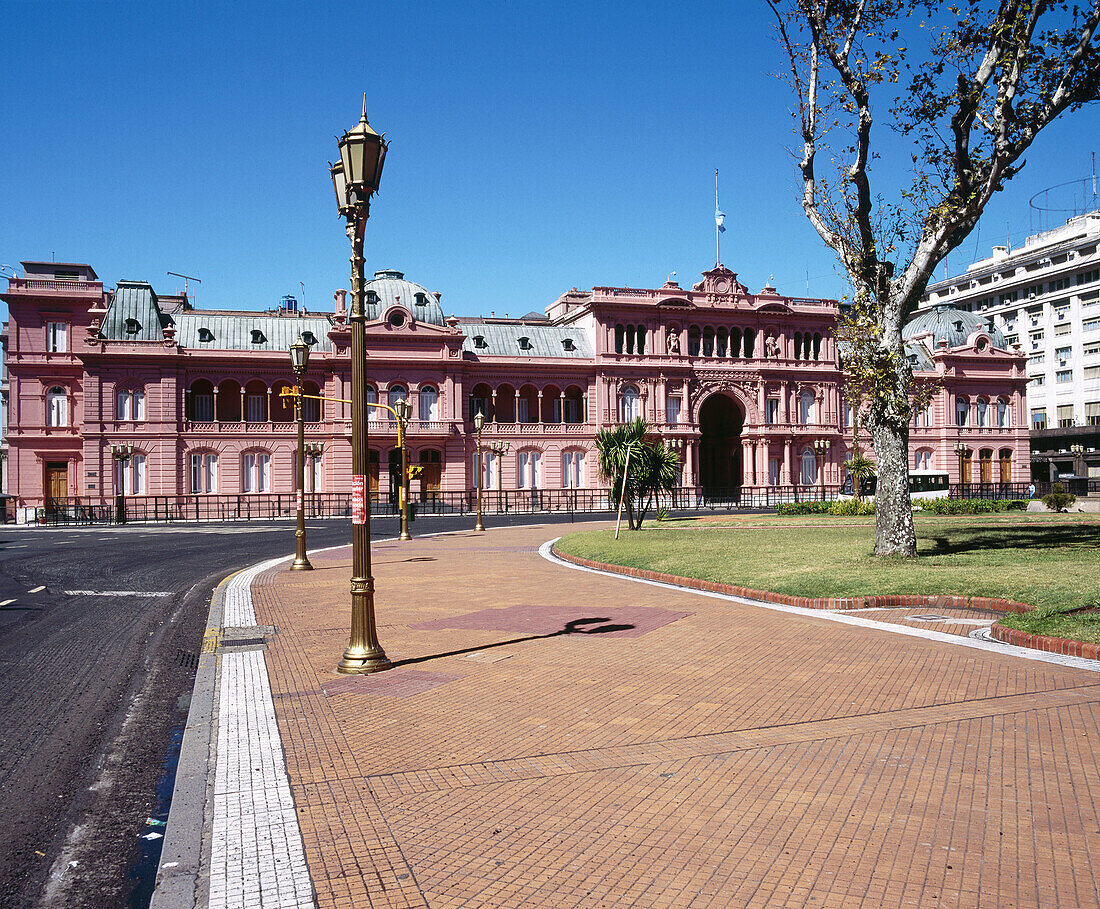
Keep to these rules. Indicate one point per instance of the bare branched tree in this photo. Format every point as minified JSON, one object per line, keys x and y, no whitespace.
{"x":967,"y":86}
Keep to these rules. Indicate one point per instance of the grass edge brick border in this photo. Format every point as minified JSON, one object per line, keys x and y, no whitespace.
{"x":998,"y":631}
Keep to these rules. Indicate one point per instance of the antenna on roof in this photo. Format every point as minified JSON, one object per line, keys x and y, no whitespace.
{"x":186,"y":278}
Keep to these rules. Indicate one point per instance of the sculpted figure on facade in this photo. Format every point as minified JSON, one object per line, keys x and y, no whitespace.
{"x":673,"y":341}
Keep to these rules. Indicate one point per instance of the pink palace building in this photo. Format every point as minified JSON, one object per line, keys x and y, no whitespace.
{"x":743,"y":384}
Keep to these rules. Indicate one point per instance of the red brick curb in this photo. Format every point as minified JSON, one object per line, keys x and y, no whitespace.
{"x":1044,"y":642}
{"x":871,"y":602}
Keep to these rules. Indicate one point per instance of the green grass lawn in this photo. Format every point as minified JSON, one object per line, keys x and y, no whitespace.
{"x":1049,"y":561}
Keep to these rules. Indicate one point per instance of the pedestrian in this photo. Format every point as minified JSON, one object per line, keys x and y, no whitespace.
{"x":1031,"y":490}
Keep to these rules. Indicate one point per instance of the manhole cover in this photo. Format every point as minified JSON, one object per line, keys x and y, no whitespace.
{"x":930,"y":618}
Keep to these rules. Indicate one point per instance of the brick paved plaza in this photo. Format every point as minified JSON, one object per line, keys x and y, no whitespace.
{"x":674,"y":749}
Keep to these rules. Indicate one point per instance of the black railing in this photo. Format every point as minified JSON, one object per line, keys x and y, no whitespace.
{"x":1077,"y":486}
{"x":276,"y":506}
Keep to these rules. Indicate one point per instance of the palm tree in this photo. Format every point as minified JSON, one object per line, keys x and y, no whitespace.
{"x":653,"y":467}
{"x":859,"y":468}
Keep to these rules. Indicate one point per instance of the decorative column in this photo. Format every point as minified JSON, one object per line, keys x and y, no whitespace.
{"x":561,"y":414}
{"x":539,"y":405}
{"x":493,"y":392}
{"x":785,"y":467}
{"x":748,"y":465}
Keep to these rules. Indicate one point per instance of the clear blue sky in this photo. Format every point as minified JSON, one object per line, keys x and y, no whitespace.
{"x":534,"y":147}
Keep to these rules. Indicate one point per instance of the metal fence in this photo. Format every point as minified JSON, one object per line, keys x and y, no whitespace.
{"x":1077,"y":486}
{"x":276,"y":506}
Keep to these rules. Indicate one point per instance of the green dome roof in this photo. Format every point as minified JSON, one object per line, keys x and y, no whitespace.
{"x":948,"y":323}
{"x":389,"y":288}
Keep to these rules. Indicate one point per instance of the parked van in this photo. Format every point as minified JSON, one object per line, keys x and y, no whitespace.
{"x":923,"y":484}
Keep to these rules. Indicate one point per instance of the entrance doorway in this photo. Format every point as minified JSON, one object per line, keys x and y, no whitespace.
{"x":720,"y":422}
{"x":57,"y":484}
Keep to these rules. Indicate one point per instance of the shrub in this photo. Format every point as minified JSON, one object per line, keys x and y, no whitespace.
{"x":1058,"y":499}
{"x":972,"y":506}
{"x":803,"y":508}
{"x":662,"y":513}
{"x":851,"y":508}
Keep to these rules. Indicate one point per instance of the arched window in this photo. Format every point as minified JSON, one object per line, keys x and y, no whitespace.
{"x":640,"y":336}
{"x":922,"y":459}
{"x":985,"y":462}
{"x":529,"y":470}
{"x":255,"y":402}
{"x":630,"y":339}
{"x":708,"y":342}
{"x":721,"y":343}
{"x":57,"y":407}
{"x":574,"y":405}
{"x":809,"y":467}
{"x":806,"y":407}
{"x":798,"y":345}
{"x":817,"y":346}
{"x":983,"y":413}
{"x":629,"y":404}
{"x":130,"y":404}
{"x":256,"y":471}
{"x":429,"y":403}
{"x":1006,"y":465}
{"x":202,"y":400}
{"x":923,"y":416}
{"x":735,"y":342}
{"x":962,"y":411}
{"x":572,"y":469}
{"x":694,"y":338}
{"x":311,"y":406}
{"x":1003,"y":419}
{"x":204,"y":472}
{"x":314,"y":474}
{"x":130,"y":475}
{"x":372,"y":398}
{"x":620,"y":336}
{"x":393,"y":395}
{"x":750,"y":341}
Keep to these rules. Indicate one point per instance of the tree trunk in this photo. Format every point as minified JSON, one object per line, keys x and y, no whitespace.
{"x":895,"y":533}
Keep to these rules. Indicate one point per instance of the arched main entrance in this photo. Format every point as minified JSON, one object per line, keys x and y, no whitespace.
{"x":720,"y":422}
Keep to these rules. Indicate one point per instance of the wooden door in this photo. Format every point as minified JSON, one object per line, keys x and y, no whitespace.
{"x":57,"y":484}
{"x":431,"y":475}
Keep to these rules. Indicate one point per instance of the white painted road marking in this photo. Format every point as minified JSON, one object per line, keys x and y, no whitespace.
{"x":8,"y":602}
{"x":116,"y":593}
{"x":38,"y":589}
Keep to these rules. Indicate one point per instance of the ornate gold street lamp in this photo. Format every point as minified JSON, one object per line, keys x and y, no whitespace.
{"x":1078,"y":452}
{"x":401,"y":409}
{"x":299,"y":360}
{"x":355,"y":179}
{"x":121,"y":453}
{"x":822,"y":447}
{"x":479,"y":421}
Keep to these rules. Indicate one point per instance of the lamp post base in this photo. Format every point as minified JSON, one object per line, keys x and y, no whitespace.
{"x":301,"y":564}
{"x":359,"y":661}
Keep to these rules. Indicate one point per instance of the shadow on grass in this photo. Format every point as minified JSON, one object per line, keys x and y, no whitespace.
{"x":1034,"y":537}
{"x":573,"y":627}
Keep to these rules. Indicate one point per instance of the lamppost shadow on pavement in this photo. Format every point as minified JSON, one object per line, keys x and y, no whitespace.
{"x":573,"y":627}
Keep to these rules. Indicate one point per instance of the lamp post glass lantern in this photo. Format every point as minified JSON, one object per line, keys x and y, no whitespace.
{"x":122,"y":453}
{"x":299,"y":360}
{"x":355,"y":179}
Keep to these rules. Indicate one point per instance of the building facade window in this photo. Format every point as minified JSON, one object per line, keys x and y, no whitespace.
{"x":922,"y":459}
{"x":572,"y":469}
{"x":771,"y":411}
{"x":629,"y":404}
{"x":57,"y":407}
{"x":1092,"y":413}
{"x":130,"y":404}
{"x":806,"y":408}
{"x":962,"y":411}
{"x":983,"y":413}
{"x":372,"y":400}
{"x":773,"y":471}
{"x":673,"y":410}
{"x":529,"y":470}
{"x":256,"y":472}
{"x":393,"y":395}
{"x":1004,"y":419}
{"x":57,"y":337}
{"x":809,"y":467}
{"x":204,"y":472}
{"x":429,"y":403}
{"x":130,"y":475}
{"x":1065,"y":415}
{"x":1063,"y":375}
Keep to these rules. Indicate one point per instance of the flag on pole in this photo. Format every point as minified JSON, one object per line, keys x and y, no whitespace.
{"x":719,"y":218}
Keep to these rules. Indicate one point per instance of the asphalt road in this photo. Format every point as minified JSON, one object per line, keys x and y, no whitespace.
{"x":99,"y":627}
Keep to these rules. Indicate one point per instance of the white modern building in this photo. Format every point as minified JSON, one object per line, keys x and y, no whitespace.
{"x":1045,"y":298}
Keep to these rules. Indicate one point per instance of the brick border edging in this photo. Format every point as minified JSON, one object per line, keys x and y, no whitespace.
{"x":1043,"y":642}
{"x":999,"y":632}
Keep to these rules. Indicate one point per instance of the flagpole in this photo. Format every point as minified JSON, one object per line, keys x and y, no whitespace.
{"x":717,"y":232}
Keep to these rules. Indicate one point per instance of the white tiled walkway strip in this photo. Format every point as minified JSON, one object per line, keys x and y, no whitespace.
{"x":257,"y":858}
